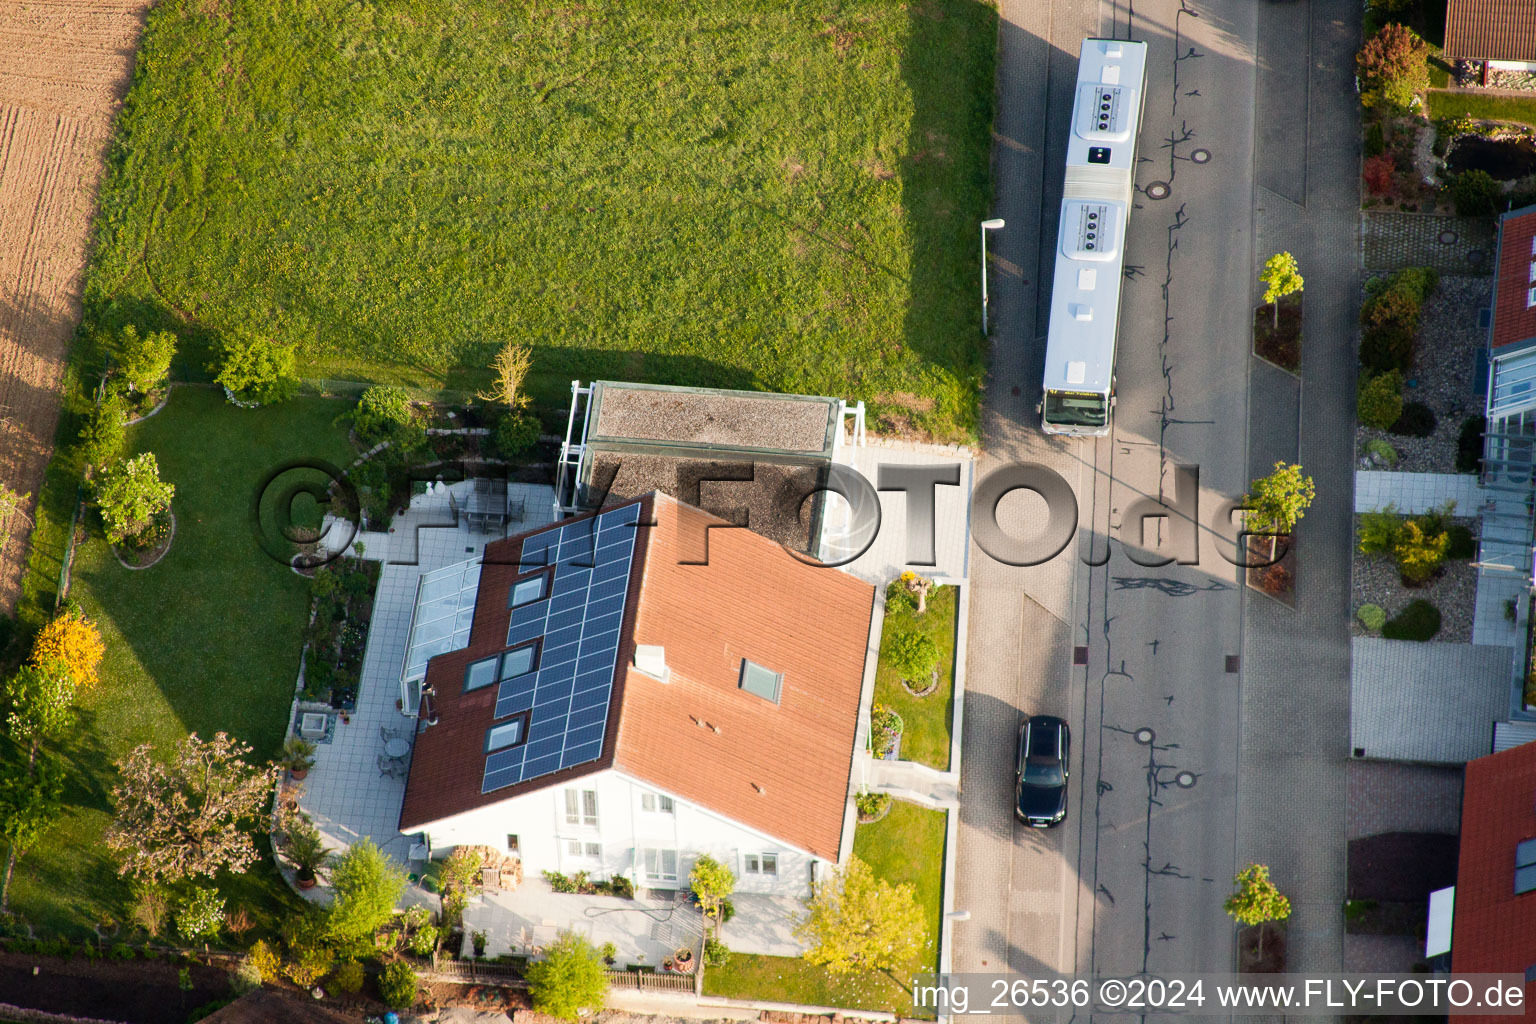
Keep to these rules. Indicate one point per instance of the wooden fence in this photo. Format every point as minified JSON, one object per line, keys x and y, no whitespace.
{"x":651,"y":982}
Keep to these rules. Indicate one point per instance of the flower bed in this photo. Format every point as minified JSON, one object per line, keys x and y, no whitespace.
{"x":1375,"y":580}
{"x":338,"y":630}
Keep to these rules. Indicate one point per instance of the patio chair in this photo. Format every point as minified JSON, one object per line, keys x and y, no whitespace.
{"x":390,"y":767}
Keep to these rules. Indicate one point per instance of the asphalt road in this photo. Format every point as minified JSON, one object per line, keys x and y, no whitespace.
{"x":1136,"y":877}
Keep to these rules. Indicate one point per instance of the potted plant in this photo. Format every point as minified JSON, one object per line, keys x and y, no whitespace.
{"x":609,"y":953}
{"x":477,"y":939}
{"x":306,"y":850}
{"x":298,"y":756}
{"x":682,"y":961}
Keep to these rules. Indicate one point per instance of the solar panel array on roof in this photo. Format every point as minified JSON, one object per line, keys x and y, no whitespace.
{"x":576,"y":630}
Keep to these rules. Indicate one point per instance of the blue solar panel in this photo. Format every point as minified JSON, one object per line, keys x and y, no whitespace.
{"x":579,"y":624}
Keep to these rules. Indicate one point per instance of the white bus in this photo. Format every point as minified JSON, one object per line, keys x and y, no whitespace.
{"x":1090,"y":251}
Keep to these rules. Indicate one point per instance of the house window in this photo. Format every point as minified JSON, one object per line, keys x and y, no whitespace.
{"x":581,"y":807}
{"x":507,"y":734}
{"x":656,"y":802}
{"x":1530,"y":298}
{"x":584,"y":850}
{"x":527,"y":591}
{"x":479,"y":673}
{"x":659,"y":865}
{"x":513,"y":846}
{"x":763,"y":682}
{"x":760,"y":864}
{"x":1525,"y":866}
{"x":518,"y":661}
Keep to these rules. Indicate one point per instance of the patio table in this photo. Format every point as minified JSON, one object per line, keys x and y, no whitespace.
{"x":396,"y":748}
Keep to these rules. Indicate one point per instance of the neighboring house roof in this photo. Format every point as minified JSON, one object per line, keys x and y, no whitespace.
{"x":1514,"y":317}
{"x":781,"y":769}
{"x":1457,"y":692}
{"x":1495,"y":928}
{"x":1491,"y":29}
{"x":264,"y":1005}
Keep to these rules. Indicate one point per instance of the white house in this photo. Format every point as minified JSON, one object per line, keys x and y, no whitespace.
{"x":620,"y":710}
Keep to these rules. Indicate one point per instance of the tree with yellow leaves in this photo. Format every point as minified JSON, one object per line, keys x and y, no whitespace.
{"x":510,"y":367}
{"x":73,"y":641}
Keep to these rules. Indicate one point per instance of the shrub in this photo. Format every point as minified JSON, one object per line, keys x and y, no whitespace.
{"x":1390,"y":319}
{"x":1383,"y":451}
{"x":1378,"y":530}
{"x":1462,"y":544}
{"x":872,"y":805}
{"x":367,"y":884}
{"x":621,"y":887}
{"x":1380,"y":174}
{"x":516,"y":433}
{"x":884,"y":728}
{"x":200,"y":915}
{"x":569,"y":980}
{"x":348,"y":977}
{"x":71,"y":640}
{"x":120,"y":951}
{"x":307,"y":964}
{"x":105,"y":433}
{"x":380,"y":412}
{"x":256,"y":370}
{"x":1419,"y":621}
{"x":145,"y":360}
{"x":398,"y":985}
{"x":912,"y":653}
{"x":1419,"y":283}
{"x":1469,"y":444}
{"x":1419,"y":550}
{"x":1475,"y":194}
{"x":1371,"y":616}
{"x":1417,"y":420}
{"x":246,"y":977}
{"x":131,"y":495}
{"x":716,"y":953}
{"x":1375,"y":139}
{"x":1380,"y":400}
{"x":1392,"y":68}
{"x":424,"y":940}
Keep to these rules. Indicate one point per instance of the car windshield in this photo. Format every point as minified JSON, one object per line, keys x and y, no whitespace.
{"x":1074,"y":409}
{"x":1038,"y":772}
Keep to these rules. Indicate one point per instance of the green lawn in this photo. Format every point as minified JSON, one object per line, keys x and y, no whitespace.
{"x":1481,"y":107}
{"x":926,"y":736}
{"x":737,"y":194}
{"x":206,"y":640}
{"x":906,"y":846}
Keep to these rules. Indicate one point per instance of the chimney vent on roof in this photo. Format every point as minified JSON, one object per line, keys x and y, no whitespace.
{"x":652,"y":660}
{"x":713,"y":728}
{"x":760,"y":789}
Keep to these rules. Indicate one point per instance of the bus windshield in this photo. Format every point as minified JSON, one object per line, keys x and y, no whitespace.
{"x":1075,"y":409}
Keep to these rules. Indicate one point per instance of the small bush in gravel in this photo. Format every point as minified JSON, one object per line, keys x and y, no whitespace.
{"x":1378,"y":529}
{"x":1375,"y":139}
{"x":1419,"y":621}
{"x":1381,"y":451}
{"x":1417,"y":420}
{"x":1371,"y":616}
{"x":1387,"y":343}
{"x":1380,"y":401}
{"x":1462,"y":544}
{"x":1419,"y":551}
{"x":1469,"y":444}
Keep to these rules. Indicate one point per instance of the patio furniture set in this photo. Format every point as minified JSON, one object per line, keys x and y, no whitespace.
{"x":394,"y":761}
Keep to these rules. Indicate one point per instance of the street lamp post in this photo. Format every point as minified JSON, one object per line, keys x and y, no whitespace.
{"x":995,"y":224}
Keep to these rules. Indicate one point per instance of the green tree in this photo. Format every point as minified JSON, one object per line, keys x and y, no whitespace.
{"x":712,"y":883}
{"x":187,"y":816}
{"x":570,"y":980}
{"x":200,"y":914}
{"x":30,"y":794}
{"x":1393,"y":67}
{"x":516,"y":433}
{"x":256,"y":370}
{"x":1475,"y":193}
{"x":381,"y":412}
{"x":1380,"y":401}
{"x":105,"y":433}
{"x":145,"y":360}
{"x":1278,"y":501}
{"x":509,"y":369}
{"x":367,"y":884}
{"x":1280,"y":277}
{"x":860,"y":922}
{"x":41,"y":700}
{"x":131,"y":496}
{"x":1256,"y":901}
{"x":912,"y":653}
{"x":398,"y":985}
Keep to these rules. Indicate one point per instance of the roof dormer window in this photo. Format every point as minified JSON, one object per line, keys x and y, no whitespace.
{"x":760,"y":681}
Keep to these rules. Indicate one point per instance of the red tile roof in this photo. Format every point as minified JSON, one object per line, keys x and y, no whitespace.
{"x":1513,"y":320}
{"x":1494,"y":929}
{"x":781,"y":769}
{"x":1491,"y":29}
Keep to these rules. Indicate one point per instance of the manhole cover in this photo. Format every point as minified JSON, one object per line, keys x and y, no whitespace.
{"x":1475,"y":257}
{"x":1201,"y":156}
{"x":1158,"y":190}
{"x":1186,"y":780}
{"x":1144,"y":736}
{"x":1448,"y":237}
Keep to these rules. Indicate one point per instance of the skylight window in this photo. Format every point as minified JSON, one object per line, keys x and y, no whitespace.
{"x":1525,"y":866}
{"x":760,"y":681}
{"x":479,"y":673}
{"x":518,"y":661}
{"x":527,"y":591}
{"x":507,"y":734}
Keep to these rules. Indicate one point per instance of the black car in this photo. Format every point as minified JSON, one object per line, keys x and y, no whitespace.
{"x":1040,"y":794}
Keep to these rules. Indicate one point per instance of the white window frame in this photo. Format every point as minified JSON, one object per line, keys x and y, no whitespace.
{"x":581,"y":807}
{"x":656,"y":803}
{"x":582,"y":849}
{"x":658,"y":854}
{"x":540,"y":581}
{"x":761,"y":865}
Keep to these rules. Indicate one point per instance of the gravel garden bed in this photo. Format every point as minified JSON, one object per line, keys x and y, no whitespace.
{"x":1375,"y":580}
{"x":1445,"y":362}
